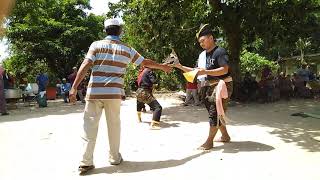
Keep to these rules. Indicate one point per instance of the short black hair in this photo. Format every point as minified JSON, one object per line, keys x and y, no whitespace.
{"x":113,"y":30}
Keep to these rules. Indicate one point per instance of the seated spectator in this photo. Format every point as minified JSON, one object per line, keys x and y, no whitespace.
{"x":285,"y":86}
{"x":267,"y":85}
{"x":65,"y":88}
{"x":314,"y":86}
{"x":58,"y":87}
{"x":276,"y":89}
{"x":250,"y":87}
{"x":300,"y":90}
{"x":304,"y":73}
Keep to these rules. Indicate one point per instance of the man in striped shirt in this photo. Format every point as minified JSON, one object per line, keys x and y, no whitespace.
{"x":109,"y":59}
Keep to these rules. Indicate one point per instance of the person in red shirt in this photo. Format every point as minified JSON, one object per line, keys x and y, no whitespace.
{"x":191,"y":92}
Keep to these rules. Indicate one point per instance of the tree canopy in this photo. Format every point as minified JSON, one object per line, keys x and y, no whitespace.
{"x":156,"y":26}
{"x":56,"y":33}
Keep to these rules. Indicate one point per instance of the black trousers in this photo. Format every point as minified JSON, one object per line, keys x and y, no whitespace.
{"x":154,"y":106}
{"x":145,"y":96}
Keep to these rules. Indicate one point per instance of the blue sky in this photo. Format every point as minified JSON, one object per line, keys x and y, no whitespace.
{"x":99,"y":7}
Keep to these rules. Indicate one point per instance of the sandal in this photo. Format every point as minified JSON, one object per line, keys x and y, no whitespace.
{"x":155,"y":125}
{"x":117,"y":162}
{"x":85,"y":169}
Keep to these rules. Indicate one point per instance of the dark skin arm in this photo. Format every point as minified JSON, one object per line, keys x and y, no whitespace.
{"x":153,"y":65}
{"x":213,"y":72}
{"x":85,"y":66}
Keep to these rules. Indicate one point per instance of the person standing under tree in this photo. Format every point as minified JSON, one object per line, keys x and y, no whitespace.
{"x":42,"y":80}
{"x":213,"y":62}
{"x":109,"y":59}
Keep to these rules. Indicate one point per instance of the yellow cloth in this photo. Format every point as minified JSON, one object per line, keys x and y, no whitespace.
{"x":191,"y":75}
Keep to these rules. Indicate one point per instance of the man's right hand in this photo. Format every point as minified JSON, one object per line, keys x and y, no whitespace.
{"x":177,"y":65}
{"x":73,"y":95}
{"x":166,"y":68}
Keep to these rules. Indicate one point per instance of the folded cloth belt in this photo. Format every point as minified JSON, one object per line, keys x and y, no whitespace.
{"x":215,"y":82}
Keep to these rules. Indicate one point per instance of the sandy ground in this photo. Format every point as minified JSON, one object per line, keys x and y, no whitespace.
{"x":267,"y":143}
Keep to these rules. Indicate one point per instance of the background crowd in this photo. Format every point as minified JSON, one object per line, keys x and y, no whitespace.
{"x":275,"y":86}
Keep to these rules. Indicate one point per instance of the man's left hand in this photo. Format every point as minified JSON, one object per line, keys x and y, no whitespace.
{"x":73,"y":95}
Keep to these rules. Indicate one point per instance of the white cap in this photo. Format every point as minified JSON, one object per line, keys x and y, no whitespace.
{"x":111,"y":22}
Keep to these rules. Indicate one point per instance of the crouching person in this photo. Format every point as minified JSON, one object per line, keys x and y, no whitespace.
{"x":146,"y":80}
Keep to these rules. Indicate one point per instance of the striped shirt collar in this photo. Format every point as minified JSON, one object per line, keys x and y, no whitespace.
{"x":111,"y":37}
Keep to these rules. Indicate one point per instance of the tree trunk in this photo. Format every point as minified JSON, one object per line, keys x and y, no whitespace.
{"x":231,"y":23}
{"x":234,"y":39}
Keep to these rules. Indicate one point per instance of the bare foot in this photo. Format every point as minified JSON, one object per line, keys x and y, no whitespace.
{"x":206,"y":146}
{"x":224,"y":139}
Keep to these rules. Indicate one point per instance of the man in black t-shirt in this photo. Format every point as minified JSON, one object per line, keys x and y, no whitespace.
{"x":213,"y":67}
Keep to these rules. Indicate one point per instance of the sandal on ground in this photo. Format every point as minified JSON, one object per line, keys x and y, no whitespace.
{"x":155,"y":125}
{"x":119,"y":161}
{"x":84,"y":169}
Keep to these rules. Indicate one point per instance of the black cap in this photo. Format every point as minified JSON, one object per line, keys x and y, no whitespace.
{"x":204,"y":30}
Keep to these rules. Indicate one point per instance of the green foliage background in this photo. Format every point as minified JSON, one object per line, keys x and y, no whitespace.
{"x":55,"y":34}
{"x":50,"y":34}
{"x":254,"y":63}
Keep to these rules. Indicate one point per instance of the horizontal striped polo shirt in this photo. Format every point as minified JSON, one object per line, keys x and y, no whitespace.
{"x":110,"y":59}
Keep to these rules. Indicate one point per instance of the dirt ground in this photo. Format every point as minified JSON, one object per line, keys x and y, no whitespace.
{"x":267,"y":143}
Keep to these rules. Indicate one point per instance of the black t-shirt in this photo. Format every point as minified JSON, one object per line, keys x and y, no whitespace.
{"x":148,"y":79}
{"x":216,"y":58}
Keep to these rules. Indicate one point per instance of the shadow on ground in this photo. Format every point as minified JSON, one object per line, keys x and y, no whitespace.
{"x":28,"y":111}
{"x":243,"y":146}
{"x":291,"y":129}
{"x":190,"y":114}
{"x":137,"y":166}
{"x":163,"y":124}
{"x":279,"y":115}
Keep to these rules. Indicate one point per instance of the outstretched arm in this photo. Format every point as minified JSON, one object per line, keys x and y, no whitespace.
{"x":183,"y":68}
{"x":153,"y":65}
